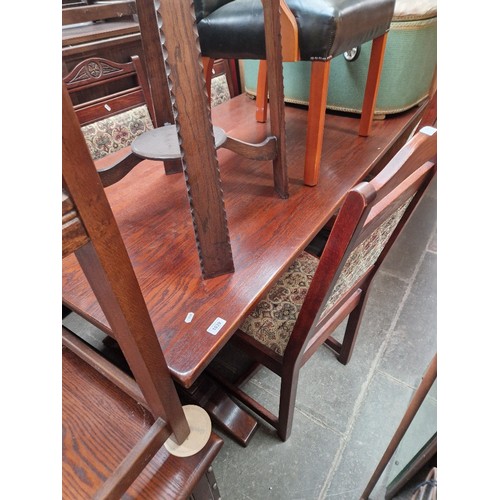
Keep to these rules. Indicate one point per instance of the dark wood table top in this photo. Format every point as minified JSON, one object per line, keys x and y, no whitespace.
{"x":266,"y":232}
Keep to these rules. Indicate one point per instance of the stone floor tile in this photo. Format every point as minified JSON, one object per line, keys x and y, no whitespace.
{"x":271,"y":469}
{"x":414,"y":341}
{"x":432,"y":247}
{"x":373,"y":426}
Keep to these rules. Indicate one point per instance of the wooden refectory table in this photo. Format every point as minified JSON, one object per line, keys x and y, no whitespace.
{"x":194,"y":318}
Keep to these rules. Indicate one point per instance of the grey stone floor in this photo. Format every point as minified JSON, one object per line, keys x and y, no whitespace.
{"x":346,"y":415}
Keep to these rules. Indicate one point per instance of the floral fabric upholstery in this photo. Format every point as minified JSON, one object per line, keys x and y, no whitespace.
{"x":272,"y":321}
{"x":116,"y":132}
{"x":364,"y":256}
{"x":219,"y":90}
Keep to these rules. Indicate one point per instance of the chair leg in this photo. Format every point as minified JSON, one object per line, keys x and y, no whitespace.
{"x":208,"y":65}
{"x":288,"y":395}
{"x":318,"y":91}
{"x":262,"y":90}
{"x":372,"y":84}
{"x":351,"y":331}
{"x":173,"y":166}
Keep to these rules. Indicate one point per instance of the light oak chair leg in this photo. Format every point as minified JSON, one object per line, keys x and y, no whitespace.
{"x":208,"y":65}
{"x":262,"y":91}
{"x":318,"y":91}
{"x":372,"y":84}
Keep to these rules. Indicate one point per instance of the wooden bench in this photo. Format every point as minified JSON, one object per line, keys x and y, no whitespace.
{"x":102,"y":425}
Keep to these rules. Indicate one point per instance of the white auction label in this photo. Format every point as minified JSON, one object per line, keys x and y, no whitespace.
{"x":215,"y":327}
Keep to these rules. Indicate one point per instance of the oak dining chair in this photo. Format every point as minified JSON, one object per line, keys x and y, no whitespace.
{"x":112,"y":102}
{"x":313,"y":297}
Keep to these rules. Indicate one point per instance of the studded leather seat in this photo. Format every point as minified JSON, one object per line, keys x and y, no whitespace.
{"x":327,"y":28}
{"x":234,"y":29}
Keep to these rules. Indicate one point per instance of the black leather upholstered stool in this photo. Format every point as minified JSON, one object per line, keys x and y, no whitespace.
{"x":312,"y":30}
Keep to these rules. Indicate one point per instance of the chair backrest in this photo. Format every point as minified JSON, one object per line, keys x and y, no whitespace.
{"x":369,"y":221}
{"x":110,"y":121}
{"x":288,"y":26}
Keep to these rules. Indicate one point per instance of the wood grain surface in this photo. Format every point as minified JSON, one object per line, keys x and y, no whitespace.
{"x":101,"y":424}
{"x":152,"y":211}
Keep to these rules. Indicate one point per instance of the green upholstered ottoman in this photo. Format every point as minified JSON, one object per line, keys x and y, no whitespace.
{"x":409,"y":65}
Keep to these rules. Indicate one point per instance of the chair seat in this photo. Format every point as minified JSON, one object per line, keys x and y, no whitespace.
{"x":163,"y":143}
{"x":101,"y":425}
{"x":272,"y":321}
{"x":326,"y":27}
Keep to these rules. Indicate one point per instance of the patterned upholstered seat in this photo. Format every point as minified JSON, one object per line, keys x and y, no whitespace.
{"x":272,"y":321}
{"x":220,"y":90}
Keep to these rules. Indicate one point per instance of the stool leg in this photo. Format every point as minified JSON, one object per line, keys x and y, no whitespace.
{"x":208,"y":65}
{"x":318,"y":91}
{"x":173,"y":166}
{"x":372,"y":84}
{"x":261,"y":99}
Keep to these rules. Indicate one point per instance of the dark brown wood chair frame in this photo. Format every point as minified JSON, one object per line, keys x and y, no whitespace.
{"x":364,"y":209}
{"x":98,"y":71}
